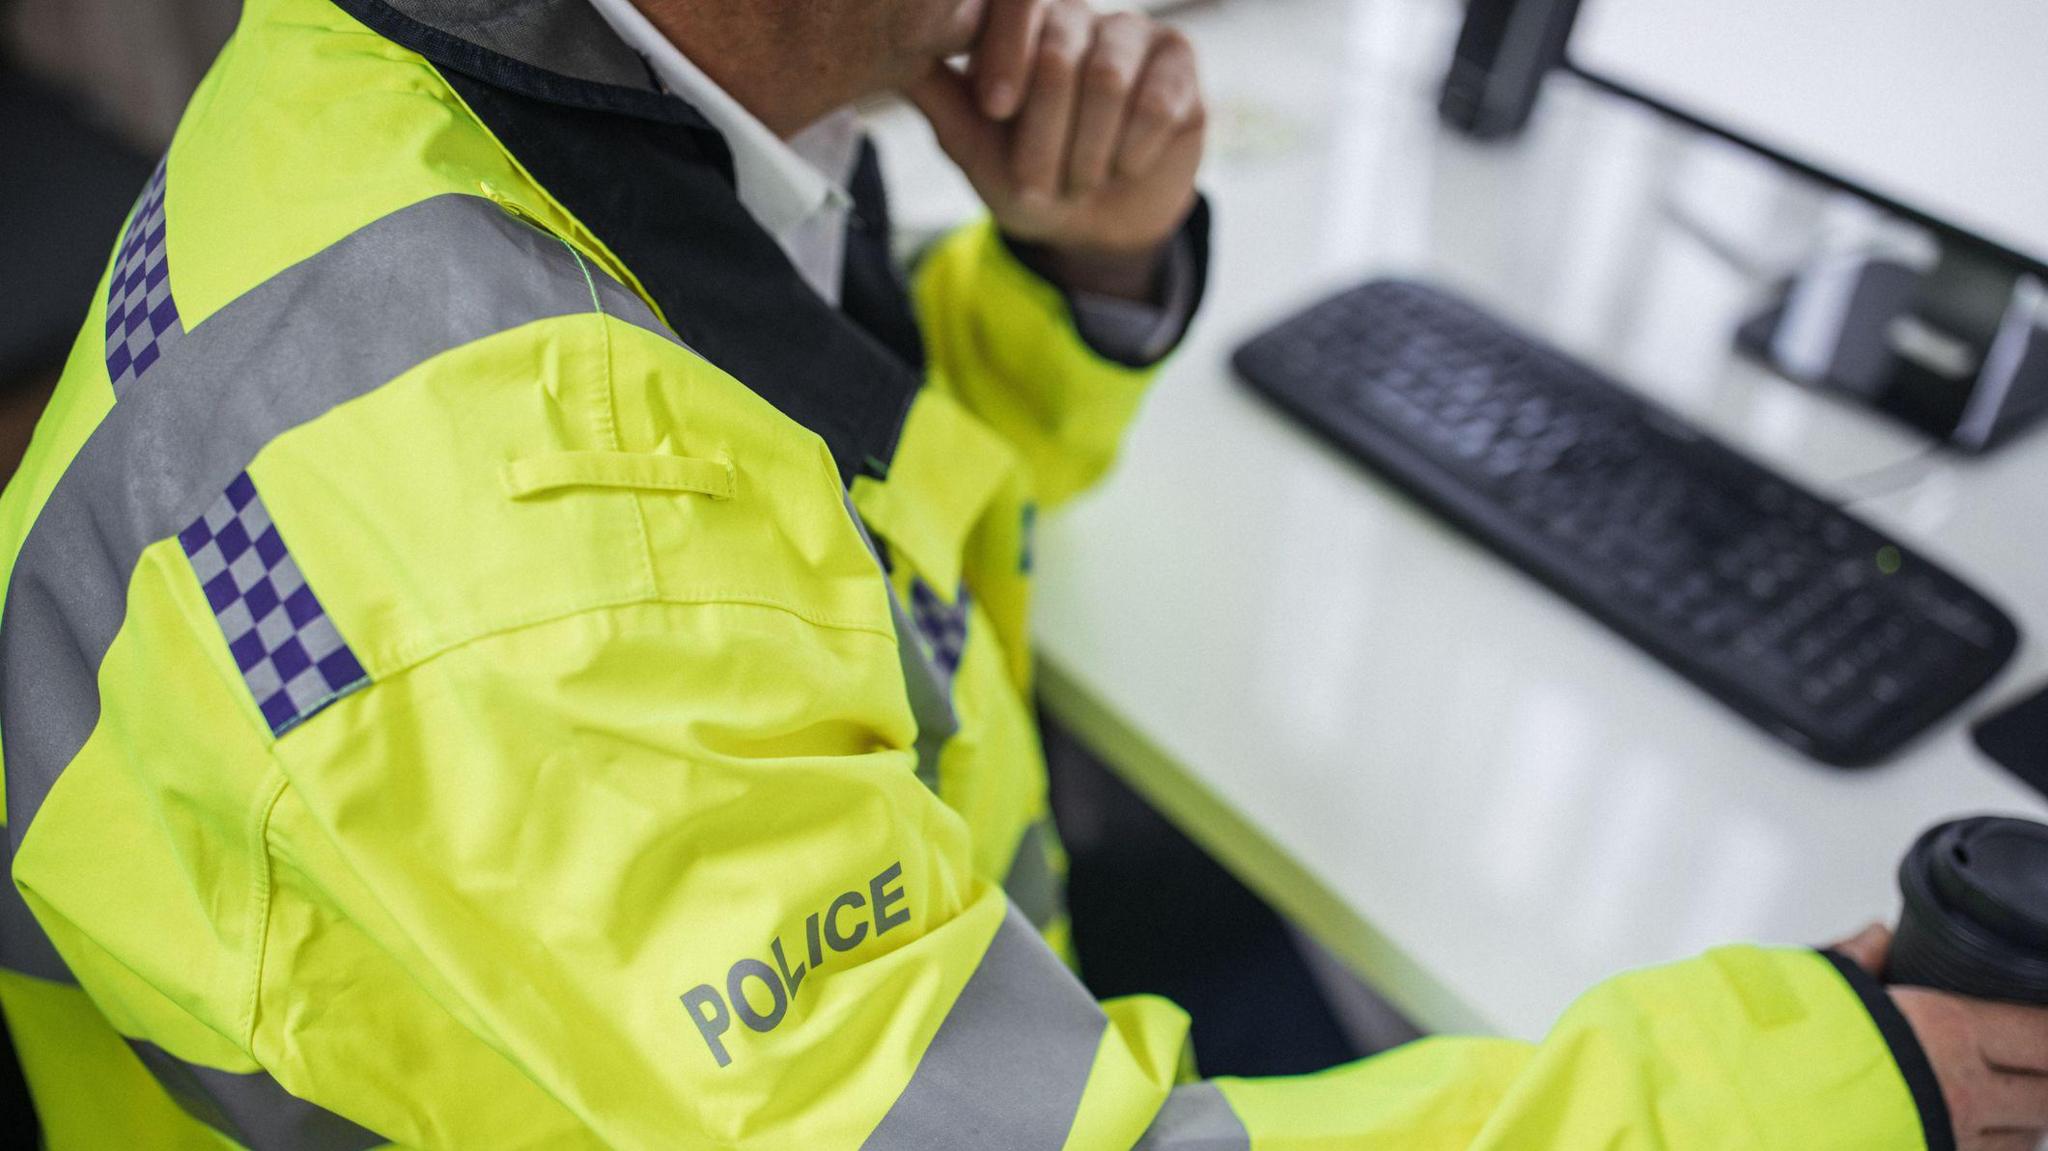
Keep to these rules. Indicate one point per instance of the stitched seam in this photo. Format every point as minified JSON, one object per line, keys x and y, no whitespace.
{"x":410,"y":938}
{"x":206,"y":631}
{"x":321,"y":704}
{"x":609,"y":418}
{"x":265,"y":891}
{"x":622,"y":273}
{"x":406,"y":658}
{"x":409,"y":662}
{"x":589,"y":285}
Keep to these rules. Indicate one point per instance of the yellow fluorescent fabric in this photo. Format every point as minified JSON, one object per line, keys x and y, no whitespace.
{"x":1144,"y":1053}
{"x":1743,"y":1048}
{"x":1002,"y":343}
{"x":679,"y":838}
{"x":643,"y":471}
{"x":89,"y":1092}
{"x":625,"y":845}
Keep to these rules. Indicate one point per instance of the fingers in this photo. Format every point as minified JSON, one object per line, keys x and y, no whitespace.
{"x":1168,"y":103}
{"x":2014,"y":1039}
{"x":1123,"y":44}
{"x":1002,"y":56}
{"x":1869,"y":948}
{"x":2010,"y":1103}
{"x":1044,"y":128}
{"x":1987,"y":1057}
{"x":975,"y":142}
{"x":1097,"y":145}
{"x":1108,"y":98}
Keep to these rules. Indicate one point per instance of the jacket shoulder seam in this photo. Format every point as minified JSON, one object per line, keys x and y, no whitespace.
{"x":427,"y":653}
{"x":609,"y":414}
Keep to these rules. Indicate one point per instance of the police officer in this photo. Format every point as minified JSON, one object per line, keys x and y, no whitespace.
{"x":516,"y":631}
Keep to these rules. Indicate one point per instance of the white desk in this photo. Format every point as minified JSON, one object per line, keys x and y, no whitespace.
{"x":1480,"y":799}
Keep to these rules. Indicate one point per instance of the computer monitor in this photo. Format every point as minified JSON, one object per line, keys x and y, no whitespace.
{"x":1936,"y":110}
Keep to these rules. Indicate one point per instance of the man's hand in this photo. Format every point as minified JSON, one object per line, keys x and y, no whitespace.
{"x":1083,"y":133}
{"x":1990,"y":1058}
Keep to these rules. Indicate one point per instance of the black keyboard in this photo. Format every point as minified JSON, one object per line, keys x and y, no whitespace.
{"x":1822,"y":629}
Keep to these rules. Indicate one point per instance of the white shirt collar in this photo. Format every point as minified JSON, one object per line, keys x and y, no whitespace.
{"x":782,"y":184}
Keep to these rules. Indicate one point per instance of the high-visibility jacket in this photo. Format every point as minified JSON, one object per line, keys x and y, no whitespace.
{"x":490,"y":660}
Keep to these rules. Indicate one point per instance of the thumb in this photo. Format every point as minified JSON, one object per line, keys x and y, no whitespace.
{"x":1869,"y":948}
{"x":974,"y":141}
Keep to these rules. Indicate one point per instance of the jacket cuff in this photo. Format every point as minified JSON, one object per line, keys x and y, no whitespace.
{"x":1130,"y":333}
{"x":1140,"y":333}
{"x":1914,"y":1067}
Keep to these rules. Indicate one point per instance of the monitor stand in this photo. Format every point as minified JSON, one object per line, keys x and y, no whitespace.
{"x":1959,"y":350}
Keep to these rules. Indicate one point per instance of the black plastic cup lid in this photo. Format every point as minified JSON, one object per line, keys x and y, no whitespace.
{"x":1992,"y":871}
{"x":1996,"y":872}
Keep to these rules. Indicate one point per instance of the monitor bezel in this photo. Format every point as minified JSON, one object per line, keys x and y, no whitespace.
{"x":1948,"y":231}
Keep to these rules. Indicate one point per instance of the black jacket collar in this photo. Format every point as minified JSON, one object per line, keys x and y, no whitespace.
{"x":649,"y":175}
{"x":556,"y":50}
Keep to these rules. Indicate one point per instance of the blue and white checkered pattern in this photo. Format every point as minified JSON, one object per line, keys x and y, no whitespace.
{"x":942,"y":625}
{"x":142,"y":319}
{"x":291,"y":656}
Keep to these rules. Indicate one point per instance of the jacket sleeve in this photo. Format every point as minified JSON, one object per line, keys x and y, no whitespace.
{"x":1004,"y":343}
{"x":663,"y":875}
{"x":1743,"y":1047}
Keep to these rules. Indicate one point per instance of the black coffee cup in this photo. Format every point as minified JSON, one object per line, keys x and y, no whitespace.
{"x":1976,"y":916}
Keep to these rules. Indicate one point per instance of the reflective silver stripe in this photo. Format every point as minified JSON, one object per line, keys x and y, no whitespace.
{"x":426,"y":279}
{"x":1037,"y":890}
{"x":252,"y":1109}
{"x":1009,"y":1063}
{"x":1196,"y":1118}
{"x":931,"y":701}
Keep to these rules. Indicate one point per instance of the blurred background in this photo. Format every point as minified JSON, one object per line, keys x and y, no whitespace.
{"x":90,"y":91}
{"x":1333,"y":767}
